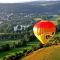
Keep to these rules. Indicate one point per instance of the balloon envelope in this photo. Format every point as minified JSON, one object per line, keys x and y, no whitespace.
{"x":44,"y":30}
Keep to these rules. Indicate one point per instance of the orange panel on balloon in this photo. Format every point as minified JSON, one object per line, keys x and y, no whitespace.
{"x":43,"y":30}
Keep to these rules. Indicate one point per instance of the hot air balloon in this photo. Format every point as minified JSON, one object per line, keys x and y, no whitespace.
{"x":44,"y":30}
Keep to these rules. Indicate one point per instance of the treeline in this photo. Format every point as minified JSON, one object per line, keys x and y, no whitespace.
{"x":10,"y":36}
{"x":7,"y":47}
{"x":17,"y":35}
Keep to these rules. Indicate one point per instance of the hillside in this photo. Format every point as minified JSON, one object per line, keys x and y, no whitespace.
{"x":49,"y":53}
{"x":23,"y":14}
{"x":51,"y":7}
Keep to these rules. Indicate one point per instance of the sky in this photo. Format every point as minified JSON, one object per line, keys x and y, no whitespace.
{"x":21,"y":1}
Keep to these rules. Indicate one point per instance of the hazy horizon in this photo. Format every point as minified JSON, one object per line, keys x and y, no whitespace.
{"x":22,"y":1}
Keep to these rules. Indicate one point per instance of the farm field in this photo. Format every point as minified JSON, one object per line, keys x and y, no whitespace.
{"x":20,"y":49}
{"x":16,"y":50}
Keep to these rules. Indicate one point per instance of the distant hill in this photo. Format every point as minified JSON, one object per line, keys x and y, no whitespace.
{"x":49,"y":53}
{"x":46,"y":7}
{"x":13,"y":14}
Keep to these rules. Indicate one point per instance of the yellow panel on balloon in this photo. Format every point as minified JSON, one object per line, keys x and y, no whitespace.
{"x":44,"y":30}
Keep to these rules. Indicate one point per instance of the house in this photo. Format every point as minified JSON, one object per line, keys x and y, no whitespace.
{"x":20,"y":27}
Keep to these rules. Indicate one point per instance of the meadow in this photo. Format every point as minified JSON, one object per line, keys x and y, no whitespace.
{"x":16,"y":50}
{"x":29,"y":46}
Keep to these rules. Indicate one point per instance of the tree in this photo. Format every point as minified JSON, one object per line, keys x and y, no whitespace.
{"x":5,"y":47}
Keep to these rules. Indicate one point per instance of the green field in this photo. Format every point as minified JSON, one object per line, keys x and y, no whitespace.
{"x":20,"y":49}
{"x":16,"y":50}
{"x":57,"y":34}
{"x":2,"y":42}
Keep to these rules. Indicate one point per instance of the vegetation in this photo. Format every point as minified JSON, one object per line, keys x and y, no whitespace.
{"x":13,"y":48}
{"x":15,"y":45}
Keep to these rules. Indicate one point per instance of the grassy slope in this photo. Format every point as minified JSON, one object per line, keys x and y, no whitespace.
{"x":49,"y":53}
{"x":17,"y":50}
